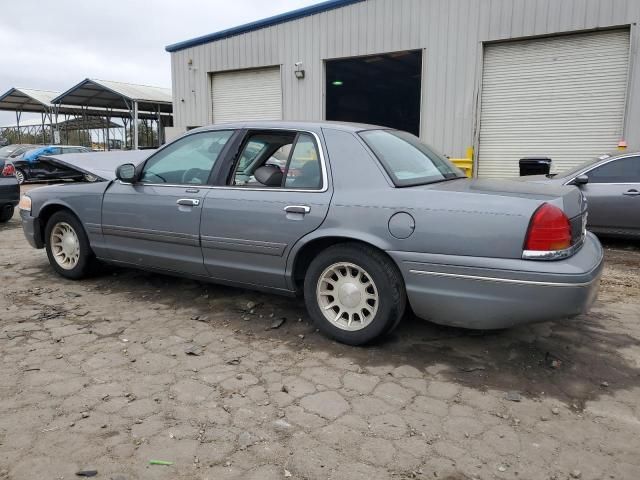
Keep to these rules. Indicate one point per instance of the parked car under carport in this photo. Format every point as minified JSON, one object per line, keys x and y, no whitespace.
{"x":34,"y":164}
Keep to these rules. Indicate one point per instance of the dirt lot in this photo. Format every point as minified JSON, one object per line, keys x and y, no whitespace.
{"x":128,"y":367}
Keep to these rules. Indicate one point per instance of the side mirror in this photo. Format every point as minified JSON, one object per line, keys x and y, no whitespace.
{"x":126,"y":173}
{"x":581,"y":180}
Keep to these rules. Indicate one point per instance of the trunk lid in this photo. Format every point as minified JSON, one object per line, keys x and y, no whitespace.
{"x":496,"y":192}
{"x":566,"y":197}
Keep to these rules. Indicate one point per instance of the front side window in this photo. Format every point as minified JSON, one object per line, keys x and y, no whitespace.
{"x":408,"y":161}
{"x":187,"y":161}
{"x":624,"y":170}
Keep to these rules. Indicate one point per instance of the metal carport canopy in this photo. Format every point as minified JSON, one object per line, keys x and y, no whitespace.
{"x":41,"y":101}
{"x":27,"y":100}
{"x":117,"y":95}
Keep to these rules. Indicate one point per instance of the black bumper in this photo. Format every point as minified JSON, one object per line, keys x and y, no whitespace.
{"x":9,"y":191}
{"x":32,"y":230}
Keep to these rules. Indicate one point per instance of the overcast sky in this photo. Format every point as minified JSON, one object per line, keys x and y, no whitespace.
{"x":54,"y":45}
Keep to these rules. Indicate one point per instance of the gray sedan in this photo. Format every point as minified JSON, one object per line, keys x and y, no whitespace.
{"x":365,"y":222}
{"x":611,"y":185}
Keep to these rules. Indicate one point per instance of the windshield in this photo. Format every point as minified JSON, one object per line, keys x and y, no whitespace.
{"x":408,"y":161}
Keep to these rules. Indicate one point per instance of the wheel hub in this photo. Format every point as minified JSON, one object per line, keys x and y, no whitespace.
{"x":349,"y":295}
{"x":69,"y":244}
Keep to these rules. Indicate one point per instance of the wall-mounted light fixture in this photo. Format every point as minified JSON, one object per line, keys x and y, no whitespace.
{"x":298,"y":72}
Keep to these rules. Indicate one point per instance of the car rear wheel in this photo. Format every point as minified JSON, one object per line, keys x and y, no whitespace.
{"x":68,"y":247}
{"x":20,"y":175}
{"x":6,"y":213}
{"x":354,"y":293}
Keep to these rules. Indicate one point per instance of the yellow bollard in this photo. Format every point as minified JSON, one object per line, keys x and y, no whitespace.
{"x":465,"y":164}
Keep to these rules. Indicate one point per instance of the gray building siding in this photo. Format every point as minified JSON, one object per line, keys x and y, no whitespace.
{"x":451,"y":33}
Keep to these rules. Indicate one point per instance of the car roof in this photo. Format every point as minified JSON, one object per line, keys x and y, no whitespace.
{"x":290,"y":125}
{"x":610,"y":156}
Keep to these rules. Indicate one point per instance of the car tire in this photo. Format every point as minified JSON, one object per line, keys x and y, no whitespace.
{"x":68,"y":247}
{"x":370,"y":297}
{"x":21,"y":176}
{"x":6,"y":213}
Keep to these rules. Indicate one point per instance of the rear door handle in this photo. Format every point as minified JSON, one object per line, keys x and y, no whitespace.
{"x":632,"y":193}
{"x":303,"y":209}
{"x":189,"y":202}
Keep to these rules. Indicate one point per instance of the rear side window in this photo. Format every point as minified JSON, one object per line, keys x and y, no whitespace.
{"x":303,"y":171}
{"x":624,"y":170}
{"x":294,"y":156}
{"x":407,"y":160}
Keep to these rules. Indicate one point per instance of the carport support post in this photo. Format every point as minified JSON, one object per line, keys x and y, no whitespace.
{"x":107,"y":147}
{"x":135,"y":125}
{"x":18,"y":115}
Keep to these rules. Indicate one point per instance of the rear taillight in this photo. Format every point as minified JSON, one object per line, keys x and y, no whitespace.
{"x":9,"y":170}
{"x":549,"y":230}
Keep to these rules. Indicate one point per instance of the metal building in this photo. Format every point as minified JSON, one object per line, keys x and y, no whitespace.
{"x":510,"y":78}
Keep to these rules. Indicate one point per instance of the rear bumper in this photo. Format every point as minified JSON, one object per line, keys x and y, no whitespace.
{"x":489,"y":293}
{"x":9,"y":191}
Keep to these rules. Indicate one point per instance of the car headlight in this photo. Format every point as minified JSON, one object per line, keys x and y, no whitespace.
{"x":25,"y":203}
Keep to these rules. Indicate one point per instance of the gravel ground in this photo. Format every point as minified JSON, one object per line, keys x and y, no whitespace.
{"x":112,"y":372}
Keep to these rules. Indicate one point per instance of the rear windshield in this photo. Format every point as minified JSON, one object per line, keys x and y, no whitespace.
{"x":408,"y":161}
{"x":8,"y":150}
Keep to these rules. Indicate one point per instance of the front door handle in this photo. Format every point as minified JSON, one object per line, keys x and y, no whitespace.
{"x":632,"y":193}
{"x":303,"y":209}
{"x":189,"y":202}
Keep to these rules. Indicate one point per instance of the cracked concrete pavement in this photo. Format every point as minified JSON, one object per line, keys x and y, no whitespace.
{"x":127,"y":367}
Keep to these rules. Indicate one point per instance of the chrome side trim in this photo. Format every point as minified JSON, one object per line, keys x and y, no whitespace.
{"x":93,"y":228}
{"x":242,"y":245}
{"x":152,"y":235}
{"x":501,"y":280}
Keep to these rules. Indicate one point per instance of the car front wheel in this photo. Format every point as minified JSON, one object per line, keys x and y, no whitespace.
{"x":68,"y":247}
{"x":354,"y":293}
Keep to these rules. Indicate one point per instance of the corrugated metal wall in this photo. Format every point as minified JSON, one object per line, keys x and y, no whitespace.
{"x":450,"y":31}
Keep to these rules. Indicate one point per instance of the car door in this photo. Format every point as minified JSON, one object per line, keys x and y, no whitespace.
{"x":248,"y":228}
{"x":613,"y":195}
{"x":155,"y":222}
{"x":52,"y":170}
{"x":39,"y":168}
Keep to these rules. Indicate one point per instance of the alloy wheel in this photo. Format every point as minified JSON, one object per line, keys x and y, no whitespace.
{"x":65,"y":245}
{"x":347,"y":296}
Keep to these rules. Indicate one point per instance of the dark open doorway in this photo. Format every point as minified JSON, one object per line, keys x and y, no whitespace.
{"x":379,"y":89}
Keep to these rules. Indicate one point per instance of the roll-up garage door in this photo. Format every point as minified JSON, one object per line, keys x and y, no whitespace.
{"x":560,"y":97}
{"x":246,"y":95}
